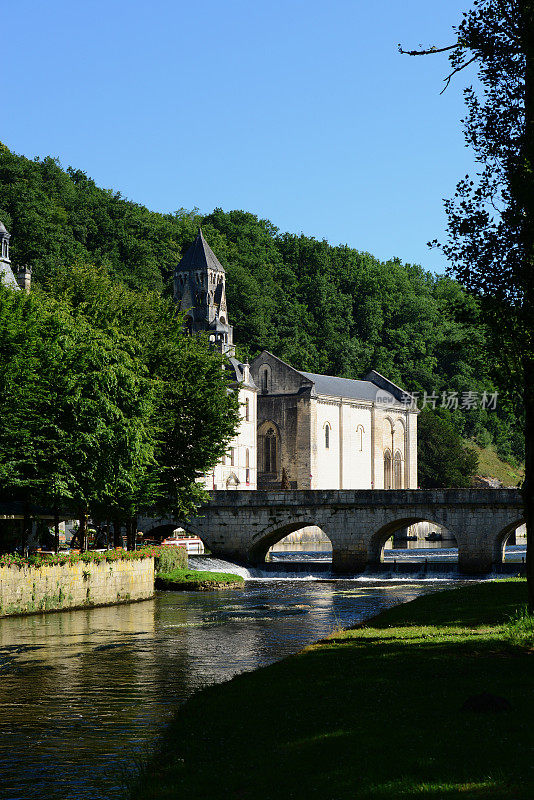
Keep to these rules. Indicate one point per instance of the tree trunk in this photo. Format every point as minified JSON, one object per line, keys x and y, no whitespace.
{"x":56,"y":530}
{"x":132,"y":533}
{"x":26,"y":531}
{"x":129,"y":533}
{"x":117,"y":533}
{"x":528,"y":485}
{"x":82,"y":531}
{"x":527,"y":207}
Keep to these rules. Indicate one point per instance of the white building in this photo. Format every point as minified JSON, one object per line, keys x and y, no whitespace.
{"x":323,"y":432}
{"x":298,"y":430}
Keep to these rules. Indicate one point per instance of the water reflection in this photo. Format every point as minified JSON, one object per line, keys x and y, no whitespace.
{"x":82,"y":692}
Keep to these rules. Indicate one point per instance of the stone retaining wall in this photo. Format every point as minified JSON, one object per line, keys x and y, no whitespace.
{"x":32,"y":590}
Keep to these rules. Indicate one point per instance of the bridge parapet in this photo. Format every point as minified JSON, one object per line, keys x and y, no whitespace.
{"x":366,"y":497}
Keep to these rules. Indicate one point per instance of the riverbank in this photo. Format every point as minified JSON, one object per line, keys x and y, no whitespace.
{"x":372,"y":712}
{"x":191,"y":580}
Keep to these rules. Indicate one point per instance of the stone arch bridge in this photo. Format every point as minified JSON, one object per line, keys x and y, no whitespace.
{"x":243,"y":525}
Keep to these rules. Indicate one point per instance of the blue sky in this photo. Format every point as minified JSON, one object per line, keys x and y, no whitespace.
{"x":301,"y":112}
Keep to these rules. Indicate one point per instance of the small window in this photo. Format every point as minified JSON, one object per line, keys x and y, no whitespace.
{"x":270,"y":451}
{"x":327,"y":436}
{"x":359,"y":437}
{"x":247,"y":476}
{"x":387,"y":470}
{"x":247,"y":411}
{"x":232,"y":456}
{"x":224,"y":460}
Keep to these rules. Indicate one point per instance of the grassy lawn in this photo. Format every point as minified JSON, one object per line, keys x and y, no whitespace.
{"x":191,"y":580}
{"x":373,"y":712}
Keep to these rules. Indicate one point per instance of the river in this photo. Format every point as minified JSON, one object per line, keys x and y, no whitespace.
{"x":84,"y":694}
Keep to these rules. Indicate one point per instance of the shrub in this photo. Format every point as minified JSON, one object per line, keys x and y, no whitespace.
{"x":169,"y":558}
{"x":89,"y":556}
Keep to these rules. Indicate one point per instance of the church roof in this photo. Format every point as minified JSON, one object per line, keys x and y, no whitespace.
{"x":342,"y":387}
{"x":199,"y":256}
{"x":238,"y":368}
{"x":6,"y":276}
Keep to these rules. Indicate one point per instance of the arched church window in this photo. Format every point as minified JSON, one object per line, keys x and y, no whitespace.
{"x":269,"y":451}
{"x":359,"y":437}
{"x":397,"y":470}
{"x":247,"y":467}
{"x":387,"y":470}
{"x":265,"y":379}
{"x":247,"y":413}
{"x":327,"y":436}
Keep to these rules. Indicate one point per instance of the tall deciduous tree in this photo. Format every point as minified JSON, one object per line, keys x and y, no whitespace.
{"x":491,"y":217}
{"x":76,"y":410}
{"x":443,"y":459}
{"x":195,"y":413}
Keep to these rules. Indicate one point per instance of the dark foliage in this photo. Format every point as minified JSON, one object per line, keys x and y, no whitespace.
{"x":324,"y":308}
{"x":443,"y":459}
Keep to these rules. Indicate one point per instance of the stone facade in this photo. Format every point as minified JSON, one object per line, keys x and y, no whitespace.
{"x":243,"y":526}
{"x":310,"y":431}
{"x":332,"y":433}
{"x":237,"y":470}
{"x":31,"y":590}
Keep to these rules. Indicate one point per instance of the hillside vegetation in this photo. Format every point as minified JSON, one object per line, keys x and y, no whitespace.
{"x":491,"y":466}
{"x":323,"y":308}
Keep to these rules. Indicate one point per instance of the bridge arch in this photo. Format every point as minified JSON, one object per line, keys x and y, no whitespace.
{"x":500,"y":540}
{"x":263,"y":541}
{"x":153,"y":528}
{"x":380,"y":537}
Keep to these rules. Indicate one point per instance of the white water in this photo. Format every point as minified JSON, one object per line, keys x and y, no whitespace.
{"x":312,"y":560}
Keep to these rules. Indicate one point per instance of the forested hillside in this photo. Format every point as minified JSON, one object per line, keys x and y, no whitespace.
{"x":323,"y":308}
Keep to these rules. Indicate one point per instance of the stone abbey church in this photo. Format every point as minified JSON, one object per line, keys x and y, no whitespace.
{"x":298,"y":430}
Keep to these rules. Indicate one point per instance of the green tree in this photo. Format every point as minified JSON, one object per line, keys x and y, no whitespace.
{"x":491,"y":217}
{"x":194,"y":413}
{"x":444,"y":460}
{"x":76,"y":409}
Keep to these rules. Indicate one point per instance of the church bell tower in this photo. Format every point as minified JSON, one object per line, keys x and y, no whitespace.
{"x":20,"y":280}
{"x":200,"y":292}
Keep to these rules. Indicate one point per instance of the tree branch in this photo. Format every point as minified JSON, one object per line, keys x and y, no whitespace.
{"x":428,"y":52}
{"x":458,"y":69}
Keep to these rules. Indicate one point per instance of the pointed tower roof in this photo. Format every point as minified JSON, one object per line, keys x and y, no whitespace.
{"x":199,"y":256}
{"x":3,"y":228}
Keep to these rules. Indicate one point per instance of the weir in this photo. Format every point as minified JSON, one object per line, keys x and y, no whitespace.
{"x":241,"y":526}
